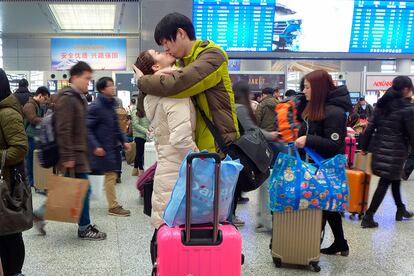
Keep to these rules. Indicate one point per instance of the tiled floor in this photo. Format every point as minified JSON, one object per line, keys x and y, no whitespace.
{"x":387,"y":250}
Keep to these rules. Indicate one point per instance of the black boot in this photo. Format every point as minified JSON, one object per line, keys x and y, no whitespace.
{"x":337,"y":247}
{"x":403,"y":213}
{"x":368,"y":221}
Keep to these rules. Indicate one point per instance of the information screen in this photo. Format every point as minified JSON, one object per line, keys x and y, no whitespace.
{"x":336,"y":26}
{"x":236,"y":25}
{"x":382,"y":27}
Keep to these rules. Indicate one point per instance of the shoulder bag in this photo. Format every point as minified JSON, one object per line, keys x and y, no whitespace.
{"x":16,"y":210}
{"x":251,"y":149}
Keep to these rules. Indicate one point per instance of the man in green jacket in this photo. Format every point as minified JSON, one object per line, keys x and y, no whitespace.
{"x":265,"y":112}
{"x":33,"y":115}
{"x":202,"y":74}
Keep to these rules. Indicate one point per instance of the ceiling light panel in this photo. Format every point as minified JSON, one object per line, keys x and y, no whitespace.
{"x":80,"y":17}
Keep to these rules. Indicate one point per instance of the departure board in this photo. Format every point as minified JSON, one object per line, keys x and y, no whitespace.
{"x":236,"y":25}
{"x":382,"y":27}
{"x":315,"y":26}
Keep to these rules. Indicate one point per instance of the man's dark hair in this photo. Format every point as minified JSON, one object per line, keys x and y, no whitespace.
{"x":268,"y":91}
{"x":361,"y":99}
{"x":290,"y":93}
{"x":79,"y":68}
{"x":23,"y":83}
{"x":42,"y":90}
{"x":103,"y":83}
{"x":168,"y":26}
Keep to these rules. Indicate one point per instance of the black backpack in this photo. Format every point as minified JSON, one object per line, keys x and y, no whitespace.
{"x":251,"y":149}
{"x":48,"y":147}
{"x":46,"y":139}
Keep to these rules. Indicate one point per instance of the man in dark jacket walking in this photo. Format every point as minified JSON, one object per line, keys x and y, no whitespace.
{"x":104,"y":135}
{"x":72,"y":139}
{"x":33,"y":114}
{"x":22,"y":93}
{"x":265,"y":112}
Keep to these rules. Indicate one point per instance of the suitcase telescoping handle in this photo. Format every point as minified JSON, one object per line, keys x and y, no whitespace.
{"x":189,"y":183}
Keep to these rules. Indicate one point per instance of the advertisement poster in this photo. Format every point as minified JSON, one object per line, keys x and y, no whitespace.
{"x":257,"y":82}
{"x":99,"y":53}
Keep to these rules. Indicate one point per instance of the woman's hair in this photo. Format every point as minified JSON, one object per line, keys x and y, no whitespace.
{"x":4,"y":85}
{"x":145,"y":62}
{"x":401,"y":82}
{"x":394,"y":92}
{"x":353,"y":119}
{"x":242,"y":96}
{"x":321,"y":84}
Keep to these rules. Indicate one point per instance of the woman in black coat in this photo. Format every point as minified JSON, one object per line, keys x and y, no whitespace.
{"x":324,"y":130}
{"x":390,"y":132}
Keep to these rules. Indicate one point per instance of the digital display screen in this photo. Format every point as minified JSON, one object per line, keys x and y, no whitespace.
{"x":91,"y":86}
{"x":236,"y":25}
{"x":336,"y":26}
{"x":52,"y":85}
{"x":383,"y":27}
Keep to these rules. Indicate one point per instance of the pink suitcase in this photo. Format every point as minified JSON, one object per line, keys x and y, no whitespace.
{"x":350,"y":151}
{"x":199,"y":250}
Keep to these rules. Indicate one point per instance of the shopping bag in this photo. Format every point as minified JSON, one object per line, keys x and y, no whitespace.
{"x":130,"y":154}
{"x":297,"y":185}
{"x":203,"y":172}
{"x":65,"y":198}
{"x":97,"y":186}
{"x":41,"y":176}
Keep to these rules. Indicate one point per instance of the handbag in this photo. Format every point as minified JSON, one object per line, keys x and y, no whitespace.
{"x":65,"y":198}
{"x":251,"y":149}
{"x":16,"y":210}
{"x":297,"y":185}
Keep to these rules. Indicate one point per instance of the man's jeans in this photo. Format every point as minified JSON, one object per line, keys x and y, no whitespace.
{"x":29,"y":161}
{"x":84,"y":220}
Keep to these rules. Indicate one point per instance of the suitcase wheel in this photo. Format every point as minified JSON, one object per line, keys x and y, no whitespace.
{"x":315,"y":266}
{"x":352,"y":216}
{"x":277,"y":261}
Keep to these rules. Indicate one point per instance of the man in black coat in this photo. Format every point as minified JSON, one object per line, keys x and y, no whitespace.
{"x":104,"y":135}
{"x":22,"y":93}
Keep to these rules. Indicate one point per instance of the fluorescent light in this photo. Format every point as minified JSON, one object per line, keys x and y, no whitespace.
{"x":83,"y":17}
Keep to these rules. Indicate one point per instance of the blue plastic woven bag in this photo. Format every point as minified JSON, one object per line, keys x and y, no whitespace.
{"x":203,"y":192}
{"x":296,"y":184}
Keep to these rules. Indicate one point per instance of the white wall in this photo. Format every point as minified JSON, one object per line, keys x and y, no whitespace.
{"x":34,"y":54}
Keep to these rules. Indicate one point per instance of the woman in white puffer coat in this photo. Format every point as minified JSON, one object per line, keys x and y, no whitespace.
{"x":173,"y":121}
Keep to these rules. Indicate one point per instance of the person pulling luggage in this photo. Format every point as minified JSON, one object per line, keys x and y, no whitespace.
{"x":324,"y":131}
